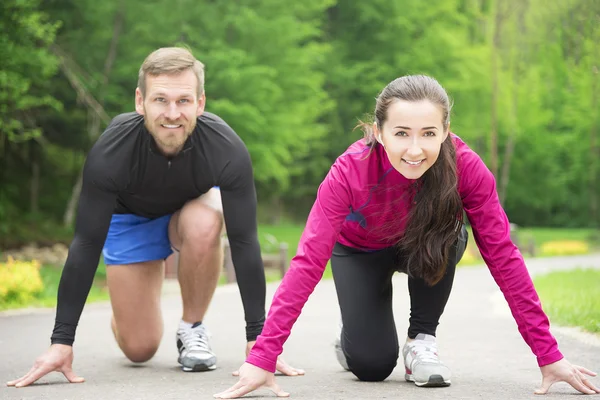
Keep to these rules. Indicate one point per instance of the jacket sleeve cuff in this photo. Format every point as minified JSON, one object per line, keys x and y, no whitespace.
{"x":549,"y":358}
{"x":260,"y":362}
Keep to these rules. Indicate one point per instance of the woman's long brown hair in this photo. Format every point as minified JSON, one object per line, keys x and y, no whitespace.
{"x":435,"y":217}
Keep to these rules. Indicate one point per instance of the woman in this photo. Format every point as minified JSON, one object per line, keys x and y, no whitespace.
{"x":394,"y":201}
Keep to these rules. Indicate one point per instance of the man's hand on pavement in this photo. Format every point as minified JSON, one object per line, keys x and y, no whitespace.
{"x":59,"y":357}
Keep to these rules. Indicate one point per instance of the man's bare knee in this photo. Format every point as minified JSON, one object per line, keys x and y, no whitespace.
{"x":140,"y":351}
{"x":201,"y":225}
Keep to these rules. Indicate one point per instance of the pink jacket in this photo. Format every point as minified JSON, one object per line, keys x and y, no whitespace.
{"x":356,"y":205}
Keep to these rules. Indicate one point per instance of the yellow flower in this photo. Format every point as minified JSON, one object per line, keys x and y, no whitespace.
{"x":564,"y":247}
{"x":20,"y":281}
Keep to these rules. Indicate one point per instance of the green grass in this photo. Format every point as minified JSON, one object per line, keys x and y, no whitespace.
{"x":287,"y":233}
{"x":541,"y":235}
{"x":271,"y":235}
{"x":51,"y":278}
{"x":290,"y":234}
{"x":571,"y":298}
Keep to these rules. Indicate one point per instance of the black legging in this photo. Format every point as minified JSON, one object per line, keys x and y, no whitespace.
{"x":363,"y":282}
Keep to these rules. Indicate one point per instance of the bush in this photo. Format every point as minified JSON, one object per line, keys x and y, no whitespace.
{"x":20,"y":281}
{"x":564,"y":248}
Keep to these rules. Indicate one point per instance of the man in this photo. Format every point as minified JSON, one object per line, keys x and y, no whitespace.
{"x":149,"y":187}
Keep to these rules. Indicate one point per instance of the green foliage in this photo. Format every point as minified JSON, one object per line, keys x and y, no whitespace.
{"x":25,"y":36}
{"x":294,"y":78}
{"x":51,"y":278}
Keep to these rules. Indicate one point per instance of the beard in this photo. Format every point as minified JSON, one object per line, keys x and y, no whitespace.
{"x":170,"y":143}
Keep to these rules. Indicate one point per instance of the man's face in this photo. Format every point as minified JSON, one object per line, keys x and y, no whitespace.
{"x":170,"y":108}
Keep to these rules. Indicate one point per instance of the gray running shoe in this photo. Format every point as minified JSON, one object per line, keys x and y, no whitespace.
{"x":195,"y":354}
{"x":423,"y":366}
{"x":339,"y":353}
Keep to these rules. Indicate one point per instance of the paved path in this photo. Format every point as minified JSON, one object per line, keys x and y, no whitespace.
{"x":477,"y":338}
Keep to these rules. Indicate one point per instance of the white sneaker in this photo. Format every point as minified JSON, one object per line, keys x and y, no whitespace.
{"x":339,"y":353}
{"x":195,"y":354}
{"x":422,"y":364}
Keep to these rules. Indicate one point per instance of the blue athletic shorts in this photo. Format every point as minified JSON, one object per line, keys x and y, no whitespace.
{"x":133,"y":239}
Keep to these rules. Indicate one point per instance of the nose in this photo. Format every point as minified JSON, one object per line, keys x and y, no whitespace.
{"x":414,"y":150}
{"x":172,"y":112}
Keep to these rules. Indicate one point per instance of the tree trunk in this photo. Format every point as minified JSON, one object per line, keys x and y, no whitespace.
{"x":494,"y":105}
{"x":72,"y":205}
{"x":516,"y":72}
{"x":594,"y":152}
{"x":96,"y":117}
{"x":505,"y":174}
{"x":276,"y":210}
{"x":34,"y":193}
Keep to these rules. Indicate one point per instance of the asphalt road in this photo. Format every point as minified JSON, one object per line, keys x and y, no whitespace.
{"x":477,"y":339}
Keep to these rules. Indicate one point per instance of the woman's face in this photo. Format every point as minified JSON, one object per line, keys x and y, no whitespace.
{"x":412,"y":136}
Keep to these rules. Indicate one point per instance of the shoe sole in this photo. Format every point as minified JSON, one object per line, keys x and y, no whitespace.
{"x":434,"y":381}
{"x":197,"y":367}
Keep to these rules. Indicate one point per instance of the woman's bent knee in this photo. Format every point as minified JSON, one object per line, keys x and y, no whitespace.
{"x":373,"y":373}
{"x":372,"y":368}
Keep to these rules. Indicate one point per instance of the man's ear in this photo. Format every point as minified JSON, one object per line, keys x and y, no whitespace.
{"x":139,"y":101}
{"x":201,"y":104}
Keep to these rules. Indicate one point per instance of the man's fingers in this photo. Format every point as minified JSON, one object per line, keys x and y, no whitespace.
{"x":32,"y":377}
{"x":14,"y":382}
{"x":236,"y":373}
{"x":71,"y":376}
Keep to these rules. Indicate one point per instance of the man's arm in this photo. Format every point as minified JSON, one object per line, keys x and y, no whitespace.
{"x":94,"y":214}
{"x":238,"y":195}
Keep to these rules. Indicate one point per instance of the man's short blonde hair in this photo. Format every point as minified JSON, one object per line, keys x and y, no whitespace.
{"x":170,"y":61}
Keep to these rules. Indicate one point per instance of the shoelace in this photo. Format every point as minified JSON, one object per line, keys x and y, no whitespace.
{"x":196,"y":339}
{"x":424,"y":351}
